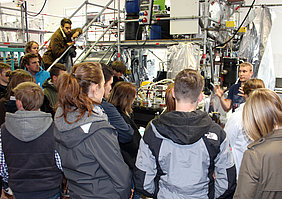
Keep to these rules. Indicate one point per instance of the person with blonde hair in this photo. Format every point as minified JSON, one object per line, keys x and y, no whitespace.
{"x":260,"y":173}
{"x":32,"y":47}
{"x":87,"y":143}
{"x":233,"y":128}
{"x":235,"y":94}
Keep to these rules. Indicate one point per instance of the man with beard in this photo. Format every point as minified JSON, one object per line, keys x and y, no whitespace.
{"x":31,"y":63}
{"x":60,"y":41}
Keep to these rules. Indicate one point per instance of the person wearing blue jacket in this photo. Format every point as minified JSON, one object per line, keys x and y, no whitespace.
{"x":31,"y":63}
{"x":183,"y":153}
{"x":125,"y":131}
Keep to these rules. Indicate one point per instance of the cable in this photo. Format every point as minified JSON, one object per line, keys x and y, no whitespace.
{"x":239,"y":27}
{"x":136,"y":37}
{"x":39,"y":11}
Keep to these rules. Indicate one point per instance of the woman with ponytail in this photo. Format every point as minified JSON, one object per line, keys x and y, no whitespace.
{"x":87,"y":143}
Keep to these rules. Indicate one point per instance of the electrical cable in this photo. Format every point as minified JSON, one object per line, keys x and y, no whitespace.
{"x":39,"y":11}
{"x":220,"y":45}
{"x":136,"y":37}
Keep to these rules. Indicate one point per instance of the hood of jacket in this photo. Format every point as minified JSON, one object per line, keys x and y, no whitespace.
{"x":69,"y":135}
{"x":28,"y":125}
{"x":48,"y":84}
{"x":183,"y":127}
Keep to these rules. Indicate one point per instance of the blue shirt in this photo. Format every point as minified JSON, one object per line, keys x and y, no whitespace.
{"x":40,"y":77}
{"x":234,"y":97}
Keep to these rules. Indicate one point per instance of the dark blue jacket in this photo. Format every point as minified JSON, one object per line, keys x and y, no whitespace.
{"x":125,"y":131}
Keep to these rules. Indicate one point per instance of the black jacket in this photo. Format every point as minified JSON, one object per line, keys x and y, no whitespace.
{"x":129,"y":150}
{"x":29,"y":148}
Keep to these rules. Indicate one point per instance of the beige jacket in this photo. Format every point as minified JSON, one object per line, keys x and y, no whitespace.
{"x":260,"y":174}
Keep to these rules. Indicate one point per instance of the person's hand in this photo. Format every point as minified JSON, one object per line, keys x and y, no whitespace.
{"x":218,"y":91}
{"x":70,"y":43}
{"x":75,"y":35}
{"x":241,"y":92}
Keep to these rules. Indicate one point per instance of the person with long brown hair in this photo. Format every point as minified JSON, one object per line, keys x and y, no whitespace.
{"x":87,"y":143}
{"x":260,"y":173}
{"x":169,"y":99}
{"x":122,"y":97}
{"x":8,"y":103}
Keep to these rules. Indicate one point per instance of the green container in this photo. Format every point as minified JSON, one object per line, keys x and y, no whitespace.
{"x":161,"y":3}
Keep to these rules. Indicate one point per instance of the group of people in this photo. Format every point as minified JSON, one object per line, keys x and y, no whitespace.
{"x":91,"y":137}
{"x":75,"y":125}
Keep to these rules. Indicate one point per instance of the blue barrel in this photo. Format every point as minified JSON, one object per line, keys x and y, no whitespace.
{"x":156,"y":32}
{"x":132,"y":6}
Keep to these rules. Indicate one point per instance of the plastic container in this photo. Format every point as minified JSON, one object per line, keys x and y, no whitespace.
{"x":132,"y":6}
{"x":156,"y":32}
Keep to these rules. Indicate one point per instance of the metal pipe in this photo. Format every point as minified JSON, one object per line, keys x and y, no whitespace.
{"x":87,"y":53}
{"x":93,"y":4}
{"x":22,"y":20}
{"x":206,"y":11}
{"x":10,"y":8}
{"x":118,"y":39}
{"x":26,"y":23}
{"x":79,"y":55}
{"x":57,"y":60}
{"x":94,"y":19}
{"x":263,"y":5}
{"x":78,"y":8}
{"x":107,"y":52}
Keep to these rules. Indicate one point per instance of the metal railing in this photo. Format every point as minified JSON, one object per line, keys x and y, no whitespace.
{"x":85,"y":28}
{"x":9,"y":54}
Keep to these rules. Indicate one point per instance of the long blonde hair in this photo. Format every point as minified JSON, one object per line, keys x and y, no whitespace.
{"x":262,"y":113}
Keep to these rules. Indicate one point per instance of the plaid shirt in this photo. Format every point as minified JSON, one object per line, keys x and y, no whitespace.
{"x":4,"y":168}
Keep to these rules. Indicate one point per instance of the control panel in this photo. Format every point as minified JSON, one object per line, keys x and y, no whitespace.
{"x":145,"y":13}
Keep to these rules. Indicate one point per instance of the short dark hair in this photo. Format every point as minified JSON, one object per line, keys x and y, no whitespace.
{"x":119,"y":67}
{"x":188,"y":85}
{"x":4,"y":66}
{"x":107,"y":71}
{"x":27,"y":57}
{"x":64,"y":21}
{"x":28,"y":46}
{"x":55,"y":70}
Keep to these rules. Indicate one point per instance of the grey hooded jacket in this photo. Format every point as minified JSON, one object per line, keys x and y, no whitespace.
{"x":91,"y":157}
{"x":178,"y":156}
{"x":28,"y":125}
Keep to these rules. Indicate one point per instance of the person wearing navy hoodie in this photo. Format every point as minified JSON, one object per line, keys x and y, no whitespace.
{"x":28,"y":146}
{"x":31,"y":62}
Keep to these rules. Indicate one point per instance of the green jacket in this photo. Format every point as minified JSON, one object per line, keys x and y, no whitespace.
{"x":58,"y":45}
{"x":50,"y":91}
